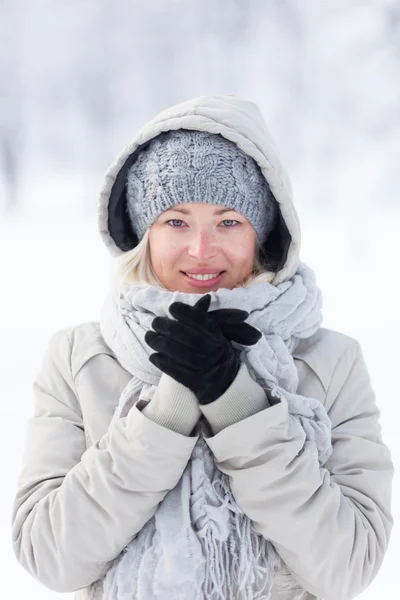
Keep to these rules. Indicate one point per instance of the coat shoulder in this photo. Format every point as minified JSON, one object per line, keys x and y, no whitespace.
{"x":323,"y":351}
{"x":86,"y":341}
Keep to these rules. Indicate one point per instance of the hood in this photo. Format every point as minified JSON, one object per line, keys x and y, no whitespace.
{"x":239,"y":121}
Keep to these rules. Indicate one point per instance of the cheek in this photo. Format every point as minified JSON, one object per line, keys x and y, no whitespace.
{"x":163,"y":254}
{"x":244,"y":253}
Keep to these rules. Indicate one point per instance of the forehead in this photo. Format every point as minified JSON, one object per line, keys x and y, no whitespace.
{"x":193,"y":208}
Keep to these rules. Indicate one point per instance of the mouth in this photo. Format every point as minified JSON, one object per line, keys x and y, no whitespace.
{"x":201,"y":283}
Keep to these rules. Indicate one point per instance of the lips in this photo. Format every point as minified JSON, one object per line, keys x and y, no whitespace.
{"x":202,"y":272}
{"x":203,"y":283}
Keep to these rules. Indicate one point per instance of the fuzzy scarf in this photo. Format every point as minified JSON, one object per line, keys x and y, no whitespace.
{"x":199,"y":544}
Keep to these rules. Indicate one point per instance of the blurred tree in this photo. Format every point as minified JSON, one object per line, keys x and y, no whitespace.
{"x":11,"y":118}
{"x":95,"y":72}
{"x":392,"y":14}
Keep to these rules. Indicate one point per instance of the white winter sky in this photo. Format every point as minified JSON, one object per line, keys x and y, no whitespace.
{"x":81,"y":78}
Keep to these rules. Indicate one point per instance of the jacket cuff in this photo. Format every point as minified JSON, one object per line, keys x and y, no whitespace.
{"x":243,"y":398}
{"x":173,"y":406}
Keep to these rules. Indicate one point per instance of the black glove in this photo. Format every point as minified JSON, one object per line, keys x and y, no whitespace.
{"x":195,"y":350}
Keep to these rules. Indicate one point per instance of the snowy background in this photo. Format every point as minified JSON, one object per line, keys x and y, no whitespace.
{"x":80,"y":78}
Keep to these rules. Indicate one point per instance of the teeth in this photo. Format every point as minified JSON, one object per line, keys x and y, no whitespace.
{"x":203,"y":277}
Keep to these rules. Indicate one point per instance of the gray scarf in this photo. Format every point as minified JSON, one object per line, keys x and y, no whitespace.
{"x":199,"y":544}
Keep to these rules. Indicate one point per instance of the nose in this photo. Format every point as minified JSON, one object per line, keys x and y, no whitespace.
{"x":202,"y":246}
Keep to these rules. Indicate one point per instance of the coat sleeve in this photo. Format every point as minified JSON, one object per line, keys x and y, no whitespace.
{"x":75,"y":509}
{"x":331,"y":525}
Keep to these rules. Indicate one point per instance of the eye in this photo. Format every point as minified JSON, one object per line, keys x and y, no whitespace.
{"x":231,"y":221}
{"x":175,"y":220}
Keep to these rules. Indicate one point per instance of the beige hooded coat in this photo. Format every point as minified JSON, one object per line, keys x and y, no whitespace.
{"x":87,"y":487}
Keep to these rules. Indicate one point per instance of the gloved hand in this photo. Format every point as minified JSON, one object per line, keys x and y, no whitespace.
{"x":195,"y":350}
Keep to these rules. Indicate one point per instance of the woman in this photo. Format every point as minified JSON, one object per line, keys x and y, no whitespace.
{"x":207,"y":438}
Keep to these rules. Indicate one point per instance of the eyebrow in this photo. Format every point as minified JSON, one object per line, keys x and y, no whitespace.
{"x":186,"y":211}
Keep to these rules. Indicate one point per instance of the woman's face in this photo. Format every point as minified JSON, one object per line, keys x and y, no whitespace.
{"x":201,"y":238}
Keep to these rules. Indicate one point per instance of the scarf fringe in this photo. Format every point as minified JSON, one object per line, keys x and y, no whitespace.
{"x":245,"y":555}
{"x":230,"y":542}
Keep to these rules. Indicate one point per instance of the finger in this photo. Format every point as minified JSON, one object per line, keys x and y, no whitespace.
{"x":229,"y":315}
{"x":189,"y":315}
{"x":204,"y":303}
{"x":186,"y":335}
{"x":197,"y":312}
{"x":184,"y":355}
{"x":242,"y":333}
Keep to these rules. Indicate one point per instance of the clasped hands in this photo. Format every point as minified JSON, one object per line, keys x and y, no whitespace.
{"x":195,"y":347}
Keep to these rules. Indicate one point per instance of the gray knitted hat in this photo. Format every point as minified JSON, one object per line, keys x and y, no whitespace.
{"x":196,"y":166}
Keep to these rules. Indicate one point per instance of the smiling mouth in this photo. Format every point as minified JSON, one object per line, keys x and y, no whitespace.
{"x":217,"y":274}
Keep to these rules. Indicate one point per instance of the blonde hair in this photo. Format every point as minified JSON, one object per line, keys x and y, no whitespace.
{"x":134,"y":267}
